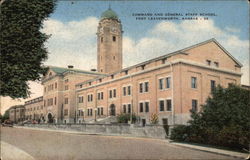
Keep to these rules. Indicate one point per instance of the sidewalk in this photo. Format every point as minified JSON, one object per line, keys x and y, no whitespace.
{"x":10,"y":152}
{"x":213,"y":150}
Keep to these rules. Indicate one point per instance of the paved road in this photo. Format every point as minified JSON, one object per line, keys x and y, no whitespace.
{"x":45,"y":145}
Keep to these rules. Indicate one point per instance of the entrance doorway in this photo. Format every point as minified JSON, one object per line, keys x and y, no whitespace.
{"x":50,"y":118}
{"x":112,"y":110}
{"x":165,"y":125}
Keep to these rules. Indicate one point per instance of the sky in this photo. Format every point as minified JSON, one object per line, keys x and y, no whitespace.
{"x":73,"y":27}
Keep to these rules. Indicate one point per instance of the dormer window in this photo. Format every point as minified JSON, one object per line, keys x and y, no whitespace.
{"x":216,"y":64}
{"x":126,"y":72}
{"x":208,"y":62}
{"x":163,"y":61}
{"x":143,"y":67}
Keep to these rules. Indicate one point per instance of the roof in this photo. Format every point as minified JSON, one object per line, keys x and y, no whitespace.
{"x":182,"y":51}
{"x":61,"y":70}
{"x":110,"y":14}
{"x":16,"y":106}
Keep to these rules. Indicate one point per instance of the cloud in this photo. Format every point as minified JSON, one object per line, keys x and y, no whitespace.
{"x":233,"y":30}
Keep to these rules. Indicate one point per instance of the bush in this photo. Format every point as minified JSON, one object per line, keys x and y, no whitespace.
{"x":124,"y":118}
{"x":224,"y":120}
{"x":154,"y":118}
{"x":180,"y":133}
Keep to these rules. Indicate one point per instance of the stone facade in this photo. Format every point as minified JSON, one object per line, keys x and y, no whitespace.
{"x":167,"y":86}
{"x":34,"y":109}
{"x":109,"y":43}
{"x":17,"y":113}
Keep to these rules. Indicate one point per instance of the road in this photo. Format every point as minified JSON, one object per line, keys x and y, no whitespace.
{"x":45,"y":145}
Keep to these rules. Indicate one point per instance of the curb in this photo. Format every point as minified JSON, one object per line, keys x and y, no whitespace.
{"x":11,"y":152}
{"x":232,"y":154}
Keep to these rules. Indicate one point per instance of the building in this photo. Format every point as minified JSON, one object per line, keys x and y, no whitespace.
{"x":17,"y":113}
{"x":169,"y":86}
{"x":34,"y":109}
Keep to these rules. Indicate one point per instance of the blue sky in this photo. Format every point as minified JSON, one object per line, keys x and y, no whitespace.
{"x":229,"y":13}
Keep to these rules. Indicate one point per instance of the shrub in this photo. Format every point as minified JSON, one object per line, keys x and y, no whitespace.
{"x":124,"y":118}
{"x":154,"y":118}
{"x":224,"y":120}
{"x":180,"y":133}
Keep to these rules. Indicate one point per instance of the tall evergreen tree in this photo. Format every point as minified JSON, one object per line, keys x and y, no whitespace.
{"x":22,"y":44}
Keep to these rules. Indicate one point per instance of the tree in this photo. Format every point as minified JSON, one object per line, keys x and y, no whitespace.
{"x":5,"y":116}
{"x":22,"y":44}
{"x":224,"y":119}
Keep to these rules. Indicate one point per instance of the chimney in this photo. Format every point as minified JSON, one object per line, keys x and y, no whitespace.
{"x":93,"y":70}
{"x":70,"y":66}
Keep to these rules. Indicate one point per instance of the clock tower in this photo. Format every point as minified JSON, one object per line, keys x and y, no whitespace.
{"x":109,"y":43}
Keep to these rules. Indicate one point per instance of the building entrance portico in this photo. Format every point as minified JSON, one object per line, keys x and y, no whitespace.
{"x":50,"y":118}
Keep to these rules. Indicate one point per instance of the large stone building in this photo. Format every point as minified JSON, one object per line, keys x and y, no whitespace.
{"x":168,"y":86}
{"x":17,"y":113}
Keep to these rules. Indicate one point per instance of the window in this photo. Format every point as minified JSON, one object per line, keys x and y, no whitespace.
{"x":98,"y":111}
{"x":114,"y":38}
{"x":193,"y":82}
{"x":44,"y":89}
{"x":55,"y":100}
{"x":163,"y":61}
{"x":90,"y":83}
{"x":161,"y":105}
{"x":194,"y":105}
{"x":100,"y":80}
{"x":66,"y":100}
{"x":113,"y":57}
{"x":114,"y":92}
{"x":208,"y":62}
{"x":101,"y":39}
{"x":65,"y":112}
{"x":44,"y":103}
{"x":124,"y":108}
{"x":98,"y":96}
{"x":129,"y":90}
{"x":124,"y":91}
{"x":66,"y":87}
{"x":91,"y":112}
{"x":146,"y":86}
{"x":141,"y":107}
{"x":80,"y":99}
{"x":90,"y":97}
{"x":146,"y":106}
{"x":216,"y":64}
{"x":169,"y":105}
{"x":101,"y":95}
{"x":112,"y":76}
{"x":101,"y":111}
{"x":212,"y":84}
{"x":110,"y":93}
{"x":160,"y":84}
{"x":129,"y":108}
{"x":55,"y":85}
{"x":168,"y":82}
{"x":141,"y":88}
{"x":66,"y":80}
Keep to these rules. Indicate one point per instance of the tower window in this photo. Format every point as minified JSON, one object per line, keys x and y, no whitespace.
{"x":114,"y":38}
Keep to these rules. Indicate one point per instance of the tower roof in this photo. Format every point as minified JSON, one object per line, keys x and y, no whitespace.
{"x":110,"y":14}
